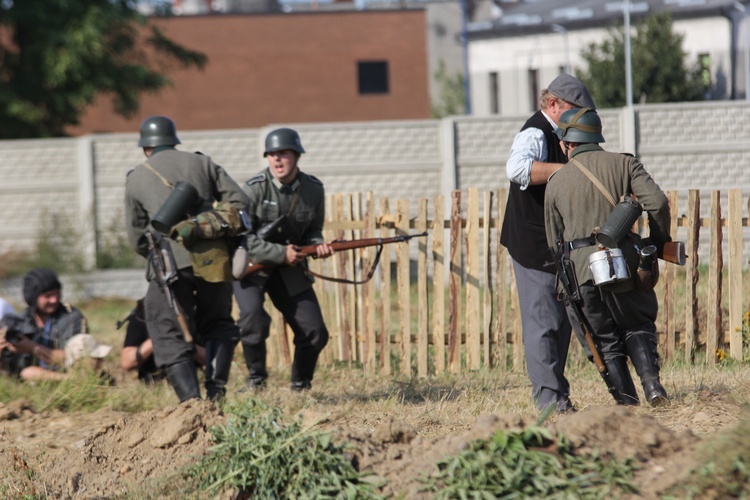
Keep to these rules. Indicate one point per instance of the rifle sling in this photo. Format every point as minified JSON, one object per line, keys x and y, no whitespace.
{"x":161,"y":177}
{"x":369,"y":276}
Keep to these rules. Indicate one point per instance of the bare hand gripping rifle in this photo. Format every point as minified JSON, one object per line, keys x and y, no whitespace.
{"x":569,"y":283}
{"x":310,"y":251}
{"x":162,"y":262}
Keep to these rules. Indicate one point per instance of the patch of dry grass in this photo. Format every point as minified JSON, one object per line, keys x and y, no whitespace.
{"x":704,"y":399}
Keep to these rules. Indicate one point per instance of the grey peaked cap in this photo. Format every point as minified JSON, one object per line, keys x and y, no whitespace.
{"x":571,"y":89}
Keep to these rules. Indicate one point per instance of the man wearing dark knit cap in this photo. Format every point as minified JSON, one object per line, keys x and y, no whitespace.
{"x":534,"y":156}
{"x":33,"y":345}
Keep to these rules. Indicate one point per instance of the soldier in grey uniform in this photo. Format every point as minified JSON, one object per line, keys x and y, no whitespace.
{"x":207,"y":306}
{"x":621,"y":316}
{"x":283,"y":190}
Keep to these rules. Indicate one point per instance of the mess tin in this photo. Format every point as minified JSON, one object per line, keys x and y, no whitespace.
{"x":608,"y":266}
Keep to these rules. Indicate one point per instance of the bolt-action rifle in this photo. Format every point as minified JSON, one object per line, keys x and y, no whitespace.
{"x":131,"y":315}
{"x":161,"y":260}
{"x":571,"y":295}
{"x":310,"y":251}
{"x":674,"y":252}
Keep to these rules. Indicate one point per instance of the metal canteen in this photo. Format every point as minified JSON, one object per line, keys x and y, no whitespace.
{"x":608,"y":266}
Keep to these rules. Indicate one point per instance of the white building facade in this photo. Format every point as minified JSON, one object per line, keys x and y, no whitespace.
{"x":514,"y":56}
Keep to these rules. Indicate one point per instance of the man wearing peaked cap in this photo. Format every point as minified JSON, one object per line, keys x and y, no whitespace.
{"x":534,"y":156}
{"x":571,"y":89}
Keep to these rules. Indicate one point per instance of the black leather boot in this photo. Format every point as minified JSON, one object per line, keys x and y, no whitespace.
{"x":643,"y":353}
{"x":218,"y":364}
{"x":621,"y":384}
{"x":255,"y":359}
{"x":303,"y":368}
{"x":183,"y":378}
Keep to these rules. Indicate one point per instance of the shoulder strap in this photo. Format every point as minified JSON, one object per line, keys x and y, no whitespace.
{"x":165,"y":181}
{"x":294,"y":201}
{"x":595,"y":181}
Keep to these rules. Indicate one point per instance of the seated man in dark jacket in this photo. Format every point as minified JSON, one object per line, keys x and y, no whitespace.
{"x":33,"y":347}
{"x":138,"y":350}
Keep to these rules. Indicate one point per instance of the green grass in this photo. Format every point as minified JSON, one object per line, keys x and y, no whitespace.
{"x":725,"y":472}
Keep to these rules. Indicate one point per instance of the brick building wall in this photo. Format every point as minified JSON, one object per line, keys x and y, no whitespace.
{"x":285,"y":68}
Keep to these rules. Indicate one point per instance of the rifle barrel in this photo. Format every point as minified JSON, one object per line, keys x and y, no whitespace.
{"x":310,"y":250}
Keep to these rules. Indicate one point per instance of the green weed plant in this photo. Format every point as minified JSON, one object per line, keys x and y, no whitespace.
{"x":528,"y":464}
{"x":260,"y":453}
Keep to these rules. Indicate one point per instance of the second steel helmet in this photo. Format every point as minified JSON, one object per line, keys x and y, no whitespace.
{"x":158,"y":131}
{"x":283,"y":138}
{"x":581,"y":125}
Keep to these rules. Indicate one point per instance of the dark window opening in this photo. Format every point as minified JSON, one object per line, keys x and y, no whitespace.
{"x":494,"y":93}
{"x":534,"y":88}
{"x":373,"y":77}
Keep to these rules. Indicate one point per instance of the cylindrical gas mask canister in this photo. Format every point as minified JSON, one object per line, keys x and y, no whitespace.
{"x":619,"y":223}
{"x":176,"y":207}
{"x":608,"y":266}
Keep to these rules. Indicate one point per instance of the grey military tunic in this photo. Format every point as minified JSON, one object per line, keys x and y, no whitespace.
{"x":270,"y":199}
{"x":573,"y":208}
{"x":207,"y":306}
{"x":145,"y":193}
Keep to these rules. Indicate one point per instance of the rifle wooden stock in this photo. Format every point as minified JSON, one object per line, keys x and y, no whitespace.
{"x":674,"y":252}
{"x":310,"y":250}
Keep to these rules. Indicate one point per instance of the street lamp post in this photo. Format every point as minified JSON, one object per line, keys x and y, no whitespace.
{"x":465,"y":54}
{"x":627,"y":7}
{"x":560,"y":29}
{"x":628,"y":64}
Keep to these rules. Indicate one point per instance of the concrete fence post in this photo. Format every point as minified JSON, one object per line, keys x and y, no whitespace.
{"x":627,"y":121}
{"x":87,"y":209}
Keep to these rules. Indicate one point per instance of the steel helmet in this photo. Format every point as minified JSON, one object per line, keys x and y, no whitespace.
{"x":581,"y":125}
{"x":158,"y":131}
{"x":283,"y":138}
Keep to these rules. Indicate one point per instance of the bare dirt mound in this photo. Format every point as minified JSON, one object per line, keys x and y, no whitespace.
{"x":107,"y":453}
{"x":118,"y":452}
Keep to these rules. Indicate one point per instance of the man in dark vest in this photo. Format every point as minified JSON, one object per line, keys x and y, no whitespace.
{"x":534,"y":156}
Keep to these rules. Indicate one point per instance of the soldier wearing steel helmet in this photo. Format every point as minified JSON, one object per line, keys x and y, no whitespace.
{"x":207,"y":306}
{"x":283,"y":192}
{"x":622,"y":317}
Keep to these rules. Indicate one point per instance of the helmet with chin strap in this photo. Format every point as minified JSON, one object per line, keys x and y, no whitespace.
{"x":581,"y":125}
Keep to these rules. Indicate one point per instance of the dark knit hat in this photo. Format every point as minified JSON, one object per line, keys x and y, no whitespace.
{"x":36,"y":282}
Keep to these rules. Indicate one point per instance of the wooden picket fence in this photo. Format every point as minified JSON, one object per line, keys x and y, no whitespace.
{"x":448,"y":301}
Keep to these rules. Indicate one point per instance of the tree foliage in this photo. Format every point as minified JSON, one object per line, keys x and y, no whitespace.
{"x":659,"y":72}
{"x":451,"y":98}
{"x":58,"y":56}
